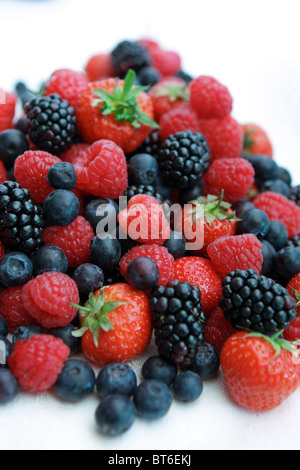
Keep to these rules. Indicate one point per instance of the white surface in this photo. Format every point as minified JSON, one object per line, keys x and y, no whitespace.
{"x":253,"y":48}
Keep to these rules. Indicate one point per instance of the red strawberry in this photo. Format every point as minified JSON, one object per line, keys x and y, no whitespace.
{"x":99,"y":67}
{"x":292,"y":331}
{"x":115,"y":110}
{"x":256,"y":140}
{"x":116,"y":324}
{"x":169,"y":94}
{"x":258,"y":371}
{"x":7,"y":109}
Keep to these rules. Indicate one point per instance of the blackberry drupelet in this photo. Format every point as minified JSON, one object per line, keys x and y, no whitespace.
{"x":178,"y":321}
{"x":21,"y":222}
{"x":129,"y":55}
{"x":147,"y":189}
{"x":256,"y":303}
{"x":295,"y":194}
{"x":50,"y":123}
{"x":183,"y":158}
{"x":151,"y":144}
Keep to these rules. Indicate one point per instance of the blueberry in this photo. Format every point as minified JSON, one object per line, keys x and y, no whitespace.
{"x":206,"y":362}
{"x":277,"y":235}
{"x":284,"y":174}
{"x":176,"y":245}
{"x":148,"y":76}
{"x":242,"y":206}
{"x":4,"y":330}
{"x":105,"y":253}
{"x":187,"y":386}
{"x":152,"y":399}
{"x":269,"y":255}
{"x":61,"y":207}
{"x":88,"y":277}
{"x":25,"y":332}
{"x":116,"y":379}
{"x":158,"y":368}
{"x":277,"y":186}
{"x":115,"y":415}
{"x":142,"y":169}
{"x":265,"y":167}
{"x":62,"y":176}
{"x":287,"y":262}
{"x":76,"y":381}
{"x":190,"y":194}
{"x":9,"y":387}
{"x":12,"y":144}
{"x":102,"y":209}
{"x":254,"y":221}
{"x":15,"y":269}
{"x":6,"y":348}
{"x":49,"y":258}
{"x":142,"y":273}
{"x":66,"y":334}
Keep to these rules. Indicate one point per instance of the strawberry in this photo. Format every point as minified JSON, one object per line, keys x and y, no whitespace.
{"x":116,"y":324}
{"x":169,"y":94}
{"x":292,"y":331}
{"x":115,"y":110}
{"x":260,"y":372}
{"x":8,"y":103}
{"x":256,"y":140}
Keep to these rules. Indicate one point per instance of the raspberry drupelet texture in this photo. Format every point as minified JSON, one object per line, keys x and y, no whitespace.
{"x":178,"y":120}
{"x":13,"y":310}
{"x":66,"y":83}
{"x":210,"y":98}
{"x":217,"y":329}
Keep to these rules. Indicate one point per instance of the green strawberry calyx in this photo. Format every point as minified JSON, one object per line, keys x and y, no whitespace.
{"x":94,"y":314}
{"x":276,"y":341}
{"x":123,"y":104}
{"x":248,"y":142}
{"x":296,"y":294}
{"x":211,"y":207}
{"x":173,"y":91}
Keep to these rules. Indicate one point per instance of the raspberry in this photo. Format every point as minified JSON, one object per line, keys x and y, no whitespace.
{"x":292,"y":331}
{"x":224,"y":137}
{"x":3,"y":173}
{"x":217,"y":329}
{"x":159,"y":254}
{"x":74,"y":239}
{"x":47,"y":297}
{"x":7,"y":109}
{"x":77,"y":150}
{"x":13,"y":310}
{"x":279,"y":207}
{"x":209,"y":98}
{"x":31,"y":171}
{"x":233,"y":175}
{"x":167,"y":62}
{"x":2,"y":250}
{"x":66,"y":83}
{"x":236,"y":252}
{"x":177,"y":120}
{"x":102,"y":170}
{"x":167,"y":95}
{"x":99,"y":67}
{"x":37,"y":362}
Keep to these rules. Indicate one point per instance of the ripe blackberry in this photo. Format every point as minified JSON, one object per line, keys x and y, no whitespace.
{"x":295,"y":194}
{"x":21,"y":222}
{"x":50,"y":123}
{"x":147,"y":189}
{"x":129,"y":55}
{"x":256,"y":303}
{"x":178,"y":321}
{"x":184,"y":157}
{"x":151,"y":144}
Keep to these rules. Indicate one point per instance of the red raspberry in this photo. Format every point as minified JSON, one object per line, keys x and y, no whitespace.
{"x":209,"y":98}
{"x":3,"y":173}
{"x":37,"y":362}
{"x":168,"y":94}
{"x":2,"y":250}
{"x":292,"y":331}
{"x":224,"y":137}
{"x":102,"y":170}
{"x":236,"y":252}
{"x":144,"y":220}
{"x":75,"y":151}
{"x":177,"y":120}
{"x":7,"y":109}
{"x":159,"y":254}
{"x":217,"y":329}
{"x":31,"y":170}
{"x":47,"y":297}
{"x":166,"y":62}
{"x":279,"y":207}
{"x":66,"y":83}
{"x":256,"y":140}
{"x":149,"y":44}
{"x":74,"y":239}
{"x":233,"y":175}
{"x":99,"y":67}
{"x":13,"y":310}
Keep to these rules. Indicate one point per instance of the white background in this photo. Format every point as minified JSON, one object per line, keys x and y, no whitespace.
{"x":253,"y":48}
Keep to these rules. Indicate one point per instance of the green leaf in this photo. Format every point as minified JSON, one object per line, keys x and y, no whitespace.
{"x":109,"y":306}
{"x":105,"y":324}
{"x":80,"y":332}
{"x":128,"y":83}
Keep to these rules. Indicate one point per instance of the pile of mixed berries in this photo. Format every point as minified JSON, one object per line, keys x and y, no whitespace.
{"x":133,"y":206}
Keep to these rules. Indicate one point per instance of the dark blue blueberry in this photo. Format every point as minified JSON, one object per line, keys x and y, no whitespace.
{"x":142,"y":169}
{"x":242,"y":206}
{"x":176,"y":245}
{"x":254,"y":221}
{"x":4,"y":330}
{"x":190,"y":194}
{"x":6,"y":348}
{"x":88,"y":277}
{"x":66,"y":334}
{"x":187,"y":386}
{"x":277,"y":186}
{"x":285,"y":175}
{"x":61,"y":207}
{"x":15,"y":269}
{"x":12,"y":144}
{"x":116,"y":379}
{"x":158,"y":368}
{"x":62,"y":176}
{"x":265,"y":167}
{"x":152,"y":399}
{"x":287,"y":262}
{"x":105,"y":253}
{"x":126,"y":243}
{"x":142,"y":273}
{"x":49,"y":258}
{"x":9,"y":387}
{"x":277,"y":235}
{"x":206,"y":362}
{"x":115,"y":415}
{"x":102,"y":209}
{"x":148,"y":76}
{"x":76,"y":381}
{"x":269,"y":254}
{"x":25,"y":332}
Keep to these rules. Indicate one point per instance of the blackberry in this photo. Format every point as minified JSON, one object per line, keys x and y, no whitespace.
{"x":256,"y":303}
{"x":50,"y":123}
{"x":295,"y":194}
{"x":21,"y":221}
{"x":147,"y":189}
{"x":178,"y":321}
{"x":183,"y":158}
{"x":151,"y":144}
{"x":129,"y":55}
{"x":294,"y":241}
